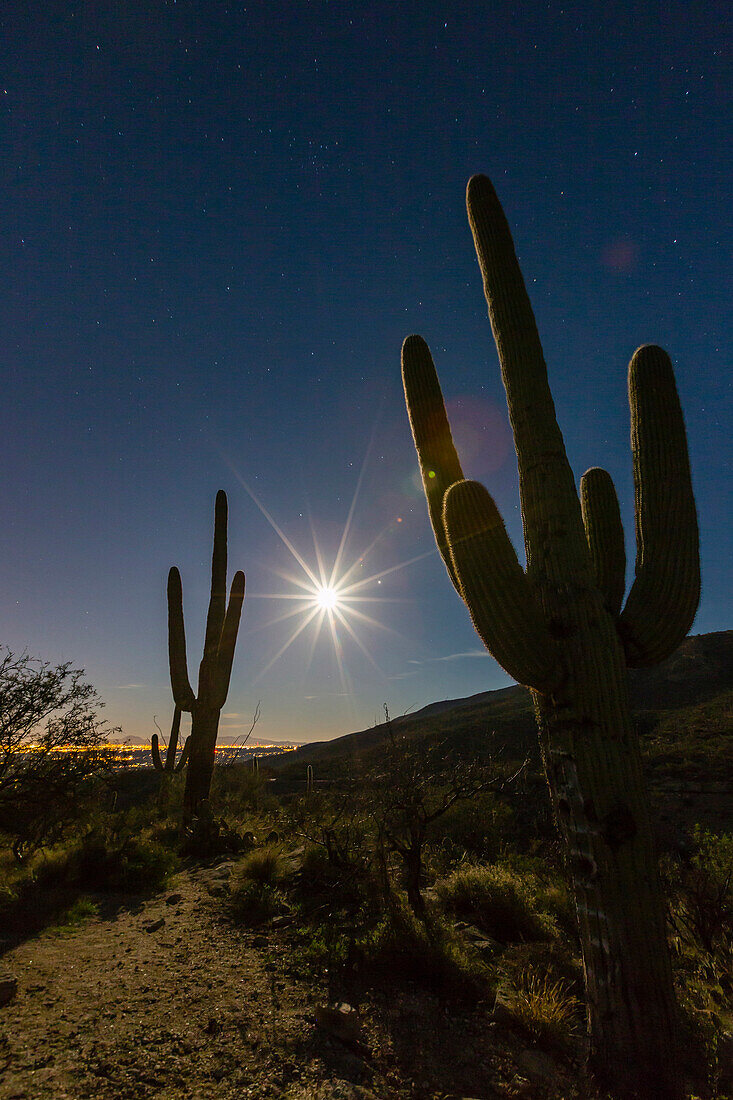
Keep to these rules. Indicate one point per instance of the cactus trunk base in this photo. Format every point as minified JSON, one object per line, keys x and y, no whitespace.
{"x":202,"y":741}
{"x":594,"y":773}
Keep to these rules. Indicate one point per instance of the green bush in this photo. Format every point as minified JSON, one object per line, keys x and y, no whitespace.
{"x":128,"y":865}
{"x":476,"y":828}
{"x":497,"y":900}
{"x":316,"y":867}
{"x":78,"y":913}
{"x":262,"y":866}
{"x":432,"y":955}
{"x":253,"y":902}
{"x":700,"y":900}
{"x":237,"y":787}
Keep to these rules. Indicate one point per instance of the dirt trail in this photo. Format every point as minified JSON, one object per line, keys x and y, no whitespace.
{"x":194,"y":1008}
{"x":166,"y":999}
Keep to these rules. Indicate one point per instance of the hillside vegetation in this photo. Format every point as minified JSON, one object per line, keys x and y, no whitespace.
{"x":385,"y":915}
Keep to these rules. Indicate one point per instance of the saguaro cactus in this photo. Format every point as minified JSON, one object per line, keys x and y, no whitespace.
{"x":171,"y":765}
{"x":558,"y":628}
{"x":222,"y":624}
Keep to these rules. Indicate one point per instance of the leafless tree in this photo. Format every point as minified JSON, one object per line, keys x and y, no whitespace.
{"x":411,"y":788}
{"x":241,"y":742}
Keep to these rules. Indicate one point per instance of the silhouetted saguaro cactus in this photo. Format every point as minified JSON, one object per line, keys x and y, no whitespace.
{"x":171,"y":765}
{"x":309,"y":779}
{"x":558,"y":627}
{"x":222,"y":624}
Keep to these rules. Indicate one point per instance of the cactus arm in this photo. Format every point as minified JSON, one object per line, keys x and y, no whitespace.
{"x":170,"y":757}
{"x":661,"y":605}
{"x":155,"y":748}
{"x":183,"y":695}
{"x":503,"y":605}
{"x":228,"y":639}
{"x":546,"y":485}
{"x":605,"y":534}
{"x":217,"y":600}
{"x":439,"y":463}
{"x":182,"y":759}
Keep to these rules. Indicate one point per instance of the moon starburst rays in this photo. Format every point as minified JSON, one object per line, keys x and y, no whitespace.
{"x":322,"y":592}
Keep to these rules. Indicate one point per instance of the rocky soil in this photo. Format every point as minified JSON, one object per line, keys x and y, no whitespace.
{"x":166,"y":998}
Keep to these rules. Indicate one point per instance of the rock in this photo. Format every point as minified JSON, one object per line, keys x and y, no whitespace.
{"x":272,"y":837}
{"x":174,"y":899}
{"x":281,"y":922}
{"x":153,"y":926}
{"x":479,"y":939}
{"x":8,"y":988}
{"x":213,"y":1027}
{"x":216,"y":880}
{"x":536,"y":1064}
{"x":340,"y":1021}
{"x":225,"y":867}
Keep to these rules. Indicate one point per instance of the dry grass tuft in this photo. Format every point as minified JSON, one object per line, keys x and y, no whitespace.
{"x":544,"y":1009}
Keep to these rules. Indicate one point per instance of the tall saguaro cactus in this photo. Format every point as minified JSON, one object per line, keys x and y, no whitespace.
{"x":222,"y":624}
{"x":558,"y":627}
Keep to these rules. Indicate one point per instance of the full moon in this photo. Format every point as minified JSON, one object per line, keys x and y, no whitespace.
{"x":327,"y":598}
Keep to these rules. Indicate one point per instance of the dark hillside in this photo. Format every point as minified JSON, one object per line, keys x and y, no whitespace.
{"x":683,"y":709}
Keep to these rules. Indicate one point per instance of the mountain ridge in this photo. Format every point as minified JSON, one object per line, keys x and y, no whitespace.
{"x":699,"y":670}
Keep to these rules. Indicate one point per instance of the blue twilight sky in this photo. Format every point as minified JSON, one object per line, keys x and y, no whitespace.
{"x":220,"y":220}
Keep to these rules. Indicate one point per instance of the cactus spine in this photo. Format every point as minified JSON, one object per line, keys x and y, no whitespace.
{"x":222,"y":624}
{"x":558,"y":628}
{"x":171,"y":766}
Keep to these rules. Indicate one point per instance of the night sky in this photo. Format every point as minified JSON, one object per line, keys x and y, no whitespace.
{"x":220,"y":221}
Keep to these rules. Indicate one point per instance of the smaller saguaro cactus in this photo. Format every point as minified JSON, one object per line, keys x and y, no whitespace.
{"x":255,"y":765}
{"x":171,"y":766}
{"x":309,"y":779}
{"x":222,"y":624}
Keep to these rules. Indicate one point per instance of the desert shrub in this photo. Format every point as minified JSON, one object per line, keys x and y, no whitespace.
{"x":237,"y":788}
{"x":207,"y":836}
{"x":36,"y":892}
{"x":700,"y":909}
{"x":544,"y":1009}
{"x":477,"y":828}
{"x":432,"y":955}
{"x":554,"y":899}
{"x":554,"y":960}
{"x":82,"y":910}
{"x":253,"y":901}
{"x":498,"y":901}
{"x":125,"y":864}
{"x":317,"y":869}
{"x":335,"y":823}
{"x":53,"y":754}
{"x":262,"y":866}
{"x":707,"y":891}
